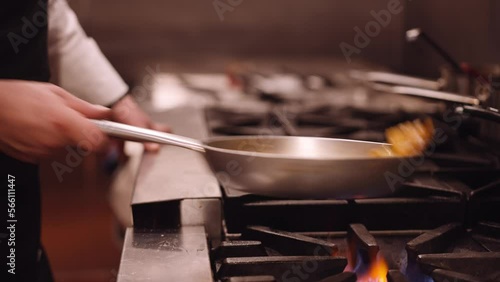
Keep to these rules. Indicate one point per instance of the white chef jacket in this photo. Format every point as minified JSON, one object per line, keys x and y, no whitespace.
{"x":76,"y":62}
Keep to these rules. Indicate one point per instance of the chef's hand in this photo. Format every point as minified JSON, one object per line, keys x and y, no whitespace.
{"x":37,"y":119}
{"x":127,"y":111}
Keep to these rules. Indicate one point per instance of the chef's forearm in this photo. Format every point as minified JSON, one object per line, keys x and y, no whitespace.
{"x":77,"y":63}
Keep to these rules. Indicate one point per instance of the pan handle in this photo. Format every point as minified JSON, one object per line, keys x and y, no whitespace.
{"x":490,"y":114}
{"x":426,"y":93}
{"x":396,"y":79}
{"x":134,"y":133}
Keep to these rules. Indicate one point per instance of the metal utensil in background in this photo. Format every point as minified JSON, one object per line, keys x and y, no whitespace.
{"x":490,"y":114}
{"x":425,"y":93}
{"x":396,"y":79}
{"x":482,"y":83}
{"x":461,"y":104}
{"x":455,"y":79}
{"x":414,"y":34}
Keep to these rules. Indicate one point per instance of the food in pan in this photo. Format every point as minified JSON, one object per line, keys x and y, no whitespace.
{"x":409,"y":138}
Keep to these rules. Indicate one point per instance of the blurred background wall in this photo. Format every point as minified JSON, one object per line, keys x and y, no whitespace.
{"x":470,"y":30}
{"x":189,"y":29}
{"x":129,"y":31}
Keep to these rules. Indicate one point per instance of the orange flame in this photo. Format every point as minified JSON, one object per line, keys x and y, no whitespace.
{"x":377,"y":272}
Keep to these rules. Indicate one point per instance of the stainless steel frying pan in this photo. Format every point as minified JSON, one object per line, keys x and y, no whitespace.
{"x":280,"y":166}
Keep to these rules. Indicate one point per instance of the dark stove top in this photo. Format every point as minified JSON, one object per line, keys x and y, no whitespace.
{"x":358,"y":254}
{"x":319,"y":122}
{"x":436,"y":227}
{"x":443,"y":224}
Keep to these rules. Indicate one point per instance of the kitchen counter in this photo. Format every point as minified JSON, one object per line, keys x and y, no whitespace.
{"x":175,"y":200}
{"x":169,"y":255}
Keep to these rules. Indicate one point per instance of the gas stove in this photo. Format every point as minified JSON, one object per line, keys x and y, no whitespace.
{"x":431,"y":229}
{"x":443,"y":224}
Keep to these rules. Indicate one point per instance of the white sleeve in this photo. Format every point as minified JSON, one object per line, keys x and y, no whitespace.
{"x":76,"y":62}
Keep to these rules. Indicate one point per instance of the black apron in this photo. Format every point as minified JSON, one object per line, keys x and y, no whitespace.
{"x":23,"y":56}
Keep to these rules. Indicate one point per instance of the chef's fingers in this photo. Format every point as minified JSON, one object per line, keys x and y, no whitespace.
{"x":83,"y":133}
{"x":81,"y":106}
{"x":160,"y":127}
{"x":153,"y":147}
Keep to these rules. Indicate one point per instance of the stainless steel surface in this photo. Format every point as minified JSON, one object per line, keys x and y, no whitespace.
{"x":134,"y":133}
{"x":489,"y":114}
{"x":179,"y":177}
{"x":301,"y":167}
{"x":304,"y":167}
{"x":203,"y":212}
{"x":174,"y":173}
{"x":425,"y":93}
{"x":413,"y":34}
{"x":122,"y":185}
{"x":396,"y":79}
{"x":473,"y":106}
{"x":171,"y":255}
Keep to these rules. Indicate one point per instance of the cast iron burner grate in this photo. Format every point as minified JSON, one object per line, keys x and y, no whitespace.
{"x":320,"y":122}
{"x":440,"y":226}
{"x":447,"y":253}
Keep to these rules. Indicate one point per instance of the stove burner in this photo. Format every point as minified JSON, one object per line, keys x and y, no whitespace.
{"x":315,"y":121}
{"x":246,"y":130}
{"x":306,"y":268}
{"x":313,"y":131}
{"x":482,"y":265}
{"x":359,"y":238}
{"x":396,"y":276}
{"x":229,"y":249}
{"x":441,"y":275}
{"x":260,"y":278}
{"x":342,"y":277}
{"x":452,"y":248}
{"x":288,"y":243}
{"x":326,"y":131}
{"x":449,"y":251}
{"x":422,"y":232}
{"x":433,"y":241}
